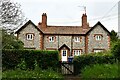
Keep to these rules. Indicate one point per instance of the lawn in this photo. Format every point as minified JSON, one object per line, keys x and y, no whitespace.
{"x":100,"y":71}
{"x":31,"y":74}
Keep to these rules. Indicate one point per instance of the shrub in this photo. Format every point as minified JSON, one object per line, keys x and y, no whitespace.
{"x":48,"y":58}
{"x":116,"y":50}
{"x":90,"y":59}
{"x":10,"y":59}
{"x":14,"y":58}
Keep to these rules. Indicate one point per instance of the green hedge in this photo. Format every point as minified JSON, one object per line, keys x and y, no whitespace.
{"x":90,"y":59}
{"x":45,"y":59}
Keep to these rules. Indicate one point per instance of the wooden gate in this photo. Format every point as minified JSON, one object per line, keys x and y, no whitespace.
{"x":67,"y":68}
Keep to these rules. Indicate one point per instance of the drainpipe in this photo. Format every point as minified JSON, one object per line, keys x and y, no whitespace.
{"x":58,"y":41}
{"x":71,"y":45}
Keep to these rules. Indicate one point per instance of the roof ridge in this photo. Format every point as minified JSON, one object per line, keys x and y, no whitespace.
{"x":63,"y":26}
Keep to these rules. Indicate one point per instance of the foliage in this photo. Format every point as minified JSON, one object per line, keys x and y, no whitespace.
{"x":116,"y":50}
{"x":91,"y":59}
{"x":9,"y":41}
{"x":114,"y":36}
{"x":10,"y":59}
{"x":36,"y":74}
{"x":26,"y":59}
{"x":11,"y":15}
{"x":100,"y":71}
{"x":50,"y":59}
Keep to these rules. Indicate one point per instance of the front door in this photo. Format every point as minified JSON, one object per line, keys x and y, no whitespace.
{"x":64,"y":55}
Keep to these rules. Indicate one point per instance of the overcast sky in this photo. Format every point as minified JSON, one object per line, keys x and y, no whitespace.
{"x":69,"y":12}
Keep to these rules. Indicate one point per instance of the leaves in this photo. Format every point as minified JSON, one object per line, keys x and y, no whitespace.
{"x":9,"y":41}
{"x":116,"y":50}
{"x":114,"y":36}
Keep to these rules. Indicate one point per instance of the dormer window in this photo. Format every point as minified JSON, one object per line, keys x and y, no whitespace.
{"x":98,"y":37}
{"x":51,"y":38}
{"x":77,"y":39}
{"x":29,"y":36}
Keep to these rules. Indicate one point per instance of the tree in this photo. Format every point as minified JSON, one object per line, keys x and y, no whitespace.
{"x":9,"y":41}
{"x":11,"y":16}
{"x":114,"y":36}
{"x":116,"y":50}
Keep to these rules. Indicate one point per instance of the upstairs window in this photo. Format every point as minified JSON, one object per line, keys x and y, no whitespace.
{"x":51,"y":38}
{"x":29,"y":36}
{"x":98,"y":37}
{"x":77,"y":52}
{"x":77,"y":39}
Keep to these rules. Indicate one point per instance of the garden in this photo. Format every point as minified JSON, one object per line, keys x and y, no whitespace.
{"x":30,"y":64}
{"x":21,"y":63}
{"x":99,"y":65}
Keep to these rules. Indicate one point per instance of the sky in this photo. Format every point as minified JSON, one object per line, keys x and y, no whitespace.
{"x":69,"y":12}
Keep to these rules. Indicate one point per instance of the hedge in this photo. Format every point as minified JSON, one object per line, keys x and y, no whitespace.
{"x":98,"y":58}
{"x":45,"y":59}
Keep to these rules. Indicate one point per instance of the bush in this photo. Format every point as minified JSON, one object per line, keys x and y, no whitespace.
{"x":90,"y":59}
{"x":48,"y":58}
{"x":12,"y":59}
{"x":100,"y":71}
{"x":116,"y":50}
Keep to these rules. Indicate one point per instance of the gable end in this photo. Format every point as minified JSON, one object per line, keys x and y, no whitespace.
{"x":27,"y":23}
{"x":98,"y":23}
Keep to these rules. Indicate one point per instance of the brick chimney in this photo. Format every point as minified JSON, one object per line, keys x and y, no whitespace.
{"x":84,"y":21}
{"x":44,"y":20}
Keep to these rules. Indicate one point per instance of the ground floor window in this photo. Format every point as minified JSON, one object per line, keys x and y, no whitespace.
{"x":77,"y":52}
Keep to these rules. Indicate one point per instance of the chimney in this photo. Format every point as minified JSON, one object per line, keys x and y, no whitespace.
{"x":44,"y":20}
{"x":84,"y":21}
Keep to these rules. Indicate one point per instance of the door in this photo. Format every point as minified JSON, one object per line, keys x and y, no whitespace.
{"x":64,"y":55}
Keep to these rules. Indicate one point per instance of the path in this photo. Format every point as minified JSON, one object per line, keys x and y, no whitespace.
{"x":71,"y":77}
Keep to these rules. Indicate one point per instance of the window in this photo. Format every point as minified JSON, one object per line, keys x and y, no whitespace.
{"x":77,"y":52}
{"x":77,"y":39}
{"x":98,"y":50}
{"x":64,"y":52}
{"x":51,"y":39}
{"x":29,"y":36}
{"x":98,"y":37}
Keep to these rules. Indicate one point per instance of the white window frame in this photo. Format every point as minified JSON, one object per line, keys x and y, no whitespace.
{"x":51,"y":38}
{"x":29,"y":36}
{"x":77,"y":39}
{"x":98,"y":37}
{"x":98,"y":50}
{"x":64,"y":53}
{"x":77,"y":52}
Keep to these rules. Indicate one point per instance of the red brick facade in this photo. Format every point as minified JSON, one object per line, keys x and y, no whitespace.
{"x":41,"y":41}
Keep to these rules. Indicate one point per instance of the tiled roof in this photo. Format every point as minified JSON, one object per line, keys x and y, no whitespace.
{"x":64,"y":30}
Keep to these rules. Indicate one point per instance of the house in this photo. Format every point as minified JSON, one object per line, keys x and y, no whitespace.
{"x":69,"y":40}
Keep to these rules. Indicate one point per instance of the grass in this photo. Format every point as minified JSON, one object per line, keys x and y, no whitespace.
{"x":100,"y":71}
{"x":31,"y":74}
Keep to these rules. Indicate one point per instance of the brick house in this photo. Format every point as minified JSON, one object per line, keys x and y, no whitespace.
{"x":69,"y":40}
